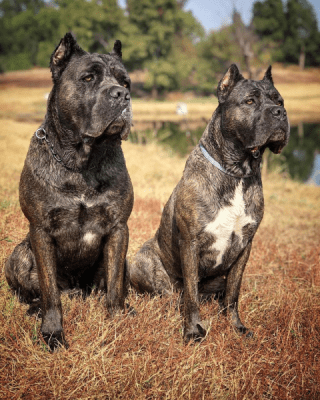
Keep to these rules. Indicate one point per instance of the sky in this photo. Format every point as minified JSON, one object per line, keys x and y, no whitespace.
{"x":214,"y":13}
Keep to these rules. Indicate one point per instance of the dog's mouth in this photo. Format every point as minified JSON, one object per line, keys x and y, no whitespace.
{"x":114,"y":128}
{"x":275,"y":143}
{"x":120,"y":125}
{"x":276,"y":147}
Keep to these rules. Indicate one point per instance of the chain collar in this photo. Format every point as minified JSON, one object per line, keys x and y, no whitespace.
{"x":45,"y":138}
{"x":54,"y":153}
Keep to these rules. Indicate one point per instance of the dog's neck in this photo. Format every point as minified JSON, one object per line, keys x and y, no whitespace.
{"x":230,"y":154}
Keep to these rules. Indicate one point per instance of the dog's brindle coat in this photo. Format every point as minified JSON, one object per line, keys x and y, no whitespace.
{"x":207,"y":226}
{"x":75,"y":189}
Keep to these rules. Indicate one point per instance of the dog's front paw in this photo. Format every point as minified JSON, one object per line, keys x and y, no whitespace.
{"x":35,"y":310}
{"x":244,"y":331}
{"x":130,"y":311}
{"x":115,"y":311}
{"x":55,"y":340}
{"x":195,"y":333}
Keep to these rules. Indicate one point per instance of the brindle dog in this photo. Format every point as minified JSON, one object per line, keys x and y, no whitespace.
{"x":75,"y":189}
{"x":207,"y":226}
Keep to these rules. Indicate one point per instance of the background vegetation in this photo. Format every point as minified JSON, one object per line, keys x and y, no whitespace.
{"x":161,"y":37}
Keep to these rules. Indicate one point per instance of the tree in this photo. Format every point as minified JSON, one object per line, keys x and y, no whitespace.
{"x":31,"y":29}
{"x":293,"y":29}
{"x":10,"y":8}
{"x":164,"y":30}
{"x":269,"y":19}
{"x":18,"y":33}
{"x":236,"y":43}
{"x":302,"y":38}
{"x":215,"y":53}
{"x":269,"y":23}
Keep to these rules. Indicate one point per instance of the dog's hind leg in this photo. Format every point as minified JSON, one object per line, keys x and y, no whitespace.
{"x":146,"y":272}
{"x":21,"y":272}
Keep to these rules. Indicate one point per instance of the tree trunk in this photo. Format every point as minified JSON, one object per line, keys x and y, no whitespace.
{"x":154,"y":93}
{"x":302,"y":57}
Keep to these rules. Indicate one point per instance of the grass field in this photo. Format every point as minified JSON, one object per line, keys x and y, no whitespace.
{"x":22,"y":98}
{"x":143,"y":357}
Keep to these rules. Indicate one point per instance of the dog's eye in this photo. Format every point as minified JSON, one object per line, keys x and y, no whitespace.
{"x":280,"y":103}
{"x":250,"y":101}
{"x":126,"y":84}
{"x":88,"y":78}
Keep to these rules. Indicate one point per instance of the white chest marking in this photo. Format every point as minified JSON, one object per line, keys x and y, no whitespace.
{"x":89,"y":238}
{"x":229,"y":219}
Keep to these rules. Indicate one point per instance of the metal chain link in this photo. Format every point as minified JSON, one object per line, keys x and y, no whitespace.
{"x":45,"y":137}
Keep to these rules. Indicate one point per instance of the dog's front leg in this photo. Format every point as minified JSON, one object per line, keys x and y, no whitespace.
{"x":234,"y":278}
{"x":114,"y":255}
{"x":189,"y":263}
{"x":45,"y":255}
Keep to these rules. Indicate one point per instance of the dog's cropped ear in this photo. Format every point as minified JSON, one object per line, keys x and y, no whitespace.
{"x":228,"y":82}
{"x":62,"y":55}
{"x":268,"y":76}
{"x":116,"y":52}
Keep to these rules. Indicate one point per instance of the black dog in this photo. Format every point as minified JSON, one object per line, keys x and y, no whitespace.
{"x":207,"y":226}
{"x":75,"y":189}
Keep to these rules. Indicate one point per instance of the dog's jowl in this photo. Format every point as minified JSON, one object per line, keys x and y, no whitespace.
{"x":75,"y":189}
{"x":204,"y":239}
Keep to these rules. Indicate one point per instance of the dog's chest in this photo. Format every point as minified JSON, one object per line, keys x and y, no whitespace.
{"x":80,"y":225}
{"x":231,"y":229}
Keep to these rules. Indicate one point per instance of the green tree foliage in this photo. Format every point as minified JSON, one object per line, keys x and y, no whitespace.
{"x":30,"y":30}
{"x":18,"y":33}
{"x":291,"y":27}
{"x":94,"y":23}
{"x":302,"y":38}
{"x":269,"y":19}
{"x":166,"y":31}
{"x":214,"y":54}
{"x":269,"y":22}
{"x":10,"y":8}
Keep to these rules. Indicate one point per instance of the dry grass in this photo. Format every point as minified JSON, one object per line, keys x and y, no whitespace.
{"x":22,"y":98}
{"x":22,"y":103}
{"x":143,"y":357}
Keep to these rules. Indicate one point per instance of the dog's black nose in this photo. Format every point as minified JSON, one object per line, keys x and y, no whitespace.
{"x":279,"y":112}
{"x":118,"y":92}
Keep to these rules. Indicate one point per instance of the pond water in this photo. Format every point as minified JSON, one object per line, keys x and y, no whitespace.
{"x":300,"y":158}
